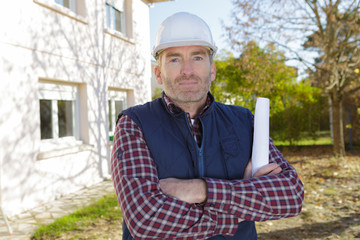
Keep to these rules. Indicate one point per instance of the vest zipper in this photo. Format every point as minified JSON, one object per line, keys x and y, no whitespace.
{"x":201,"y":162}
{"x":200,"y":152}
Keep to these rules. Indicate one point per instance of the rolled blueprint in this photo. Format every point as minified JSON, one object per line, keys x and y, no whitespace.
{"x":260,"y":151}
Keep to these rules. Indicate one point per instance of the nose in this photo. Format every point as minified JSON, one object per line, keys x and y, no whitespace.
{"x":187,"y":68}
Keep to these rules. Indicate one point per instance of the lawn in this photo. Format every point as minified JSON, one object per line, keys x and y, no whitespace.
{"x":323,"y":138}
{"x":81,"y":224}
{"x":330,"y":211}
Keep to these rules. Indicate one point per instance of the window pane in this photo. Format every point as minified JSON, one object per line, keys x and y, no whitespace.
{"x":119,"y":106}
{"x":46,"y":119}
{"x":67,"y":3}
{"x":65,"y":118}
{"x":61,"y":2}
{"x":108,"y":16}
{"x":118,"y":20}
{"x":70,"y":4}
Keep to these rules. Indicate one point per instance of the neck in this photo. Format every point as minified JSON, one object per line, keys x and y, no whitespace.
{"x":193,"y":108}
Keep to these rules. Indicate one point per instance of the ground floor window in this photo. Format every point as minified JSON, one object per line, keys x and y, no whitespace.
{"x":58,"y":111}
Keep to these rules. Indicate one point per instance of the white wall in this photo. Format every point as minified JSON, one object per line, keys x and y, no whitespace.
{"x":42,"y":44}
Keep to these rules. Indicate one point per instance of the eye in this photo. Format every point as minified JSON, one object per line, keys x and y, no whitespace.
{"x":198,"y":58}
{"x":174,"y":60}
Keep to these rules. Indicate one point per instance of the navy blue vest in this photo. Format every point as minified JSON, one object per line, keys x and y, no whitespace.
{"x":224,"y":153}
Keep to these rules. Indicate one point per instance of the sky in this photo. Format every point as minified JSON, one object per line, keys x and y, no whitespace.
{"x":211,"y":11}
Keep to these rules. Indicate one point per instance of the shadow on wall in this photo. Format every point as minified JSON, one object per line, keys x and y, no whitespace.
{"x":61,"y":50}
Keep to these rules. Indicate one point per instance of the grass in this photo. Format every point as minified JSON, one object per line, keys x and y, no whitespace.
{"x":324,"y":140}
{"x":105,"y":208}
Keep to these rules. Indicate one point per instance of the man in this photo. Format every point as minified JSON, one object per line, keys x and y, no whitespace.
{"x":181,"y":163}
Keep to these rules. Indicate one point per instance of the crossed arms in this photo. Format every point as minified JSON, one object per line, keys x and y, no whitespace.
{"x":198,"y":208}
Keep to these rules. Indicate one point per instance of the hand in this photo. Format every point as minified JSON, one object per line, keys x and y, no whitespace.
{"x":269,"y":169}
{"x":187,"y":190}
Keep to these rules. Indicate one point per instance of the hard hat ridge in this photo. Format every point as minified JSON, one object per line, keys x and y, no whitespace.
{"x":183,"y":29}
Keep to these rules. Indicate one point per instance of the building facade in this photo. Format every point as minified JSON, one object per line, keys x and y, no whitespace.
{"x":67,"y":67}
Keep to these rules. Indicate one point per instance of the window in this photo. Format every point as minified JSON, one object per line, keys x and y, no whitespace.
{"x":70,"y":4}
{"x":75,"y":9}
{"x":117,"y":16}
{"x":58,"y":111}
{"x":117,"y":103}
{"x":115,"y":19}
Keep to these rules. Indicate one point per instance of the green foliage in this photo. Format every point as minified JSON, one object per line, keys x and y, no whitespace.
{"x":304,"y":110}
{"x":157,"y":93}
{"x":256,"y":73}
{"x":105,"y":208}
{"x":296,"y":107}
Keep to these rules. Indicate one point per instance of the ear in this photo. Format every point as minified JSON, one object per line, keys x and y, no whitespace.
{"x":213,"y":71}
{"x":158,"y":74}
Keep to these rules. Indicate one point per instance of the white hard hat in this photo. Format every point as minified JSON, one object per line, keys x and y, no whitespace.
{"x":183,"y":29}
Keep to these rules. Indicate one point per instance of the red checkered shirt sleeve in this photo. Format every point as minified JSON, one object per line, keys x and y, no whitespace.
{"x":148,"y":213}
{"x":260,"y":198}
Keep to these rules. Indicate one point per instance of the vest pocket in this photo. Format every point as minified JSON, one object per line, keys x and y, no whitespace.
{"x":234,"y":158}
{"x":230,"y":146}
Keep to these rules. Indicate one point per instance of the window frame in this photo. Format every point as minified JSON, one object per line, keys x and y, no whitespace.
{"x":126,"y":28}
{"x":56,"y":92}
{"x":112,"y":20}
{"x":113,"y":96}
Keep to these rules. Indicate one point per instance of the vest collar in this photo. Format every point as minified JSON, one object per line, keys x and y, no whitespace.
{"x":175,"y":109}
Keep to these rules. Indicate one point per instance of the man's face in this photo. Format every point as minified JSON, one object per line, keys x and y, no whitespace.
{"x":186,"y":73}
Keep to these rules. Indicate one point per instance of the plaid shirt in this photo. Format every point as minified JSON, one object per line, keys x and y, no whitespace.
{"x":150,"y":214}
{"x":195,"y":125}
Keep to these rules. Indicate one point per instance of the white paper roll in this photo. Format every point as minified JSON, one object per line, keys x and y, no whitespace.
{"x":260,"y":151}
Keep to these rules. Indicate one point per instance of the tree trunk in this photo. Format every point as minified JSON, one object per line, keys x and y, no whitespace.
{"x":338,"y":129}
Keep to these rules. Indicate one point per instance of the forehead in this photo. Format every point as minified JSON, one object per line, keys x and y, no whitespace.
{"x":185,"y":50}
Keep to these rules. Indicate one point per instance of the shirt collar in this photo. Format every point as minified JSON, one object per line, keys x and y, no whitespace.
{"x":173,"y":108}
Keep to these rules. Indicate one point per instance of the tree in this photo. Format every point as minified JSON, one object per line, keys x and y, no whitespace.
{"x":258,"y":72}
{"x":157,"y":93}
{"x":263,"y":73}
{"x":328,"y":30}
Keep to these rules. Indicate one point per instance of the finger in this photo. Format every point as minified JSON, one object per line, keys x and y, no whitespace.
{"x":265,"y":170}
{"x":275,"y":171}
{"x":268,"y":169}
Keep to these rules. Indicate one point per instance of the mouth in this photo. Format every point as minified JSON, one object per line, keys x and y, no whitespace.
{"x":191,"y":81}
{"x":188,"y":83}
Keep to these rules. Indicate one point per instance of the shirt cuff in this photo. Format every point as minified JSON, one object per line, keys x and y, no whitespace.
{"x":219,"y":195}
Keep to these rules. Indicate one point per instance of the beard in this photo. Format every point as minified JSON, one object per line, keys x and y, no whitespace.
{"x":195,"y":92}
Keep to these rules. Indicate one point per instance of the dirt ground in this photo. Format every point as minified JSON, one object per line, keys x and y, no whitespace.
{"x":331,"y":207}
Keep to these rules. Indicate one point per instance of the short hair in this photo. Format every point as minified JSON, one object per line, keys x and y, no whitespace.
{"x":210,"y":52}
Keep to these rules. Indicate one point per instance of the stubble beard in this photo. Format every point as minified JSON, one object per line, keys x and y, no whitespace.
{"x":183,"y":96}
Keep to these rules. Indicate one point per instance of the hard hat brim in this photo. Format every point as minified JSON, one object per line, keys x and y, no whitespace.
{"x":183,"y":43}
